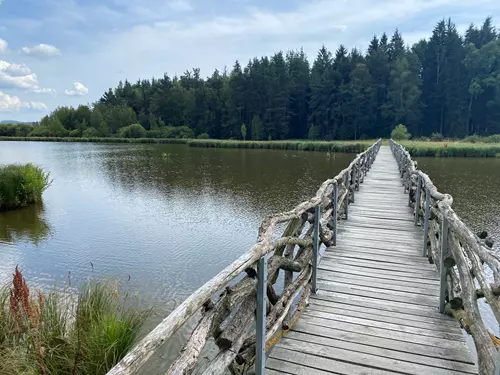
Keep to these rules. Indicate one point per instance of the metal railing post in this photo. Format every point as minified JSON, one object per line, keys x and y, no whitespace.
{"x":426,"y":220}
{"x":314,"y":277}
{"x":417,"y":200}
{"x":334,"y":211}
{"x":260,"y":355}
{"x":442,"y":268}
{"x":346,"y":183}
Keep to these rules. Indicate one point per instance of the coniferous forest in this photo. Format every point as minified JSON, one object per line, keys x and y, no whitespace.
{"x":447,"y":84}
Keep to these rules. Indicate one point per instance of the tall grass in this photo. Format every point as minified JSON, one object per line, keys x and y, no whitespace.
{"x":451,"y":149}
{"x":54,"y":334}
{"x":98,"y":140}
{"x":327,"y":146}
{"x":21,"y":185}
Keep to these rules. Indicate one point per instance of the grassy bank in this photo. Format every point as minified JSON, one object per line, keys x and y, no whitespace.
{"x":452,"y":149}
{"x":99,"y":140}
{"x":304,"y":145}
{"x":21,"y":185}
{"x":52,"y":334}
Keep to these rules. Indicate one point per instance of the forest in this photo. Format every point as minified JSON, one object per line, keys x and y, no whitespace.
{"x":445,"y":86}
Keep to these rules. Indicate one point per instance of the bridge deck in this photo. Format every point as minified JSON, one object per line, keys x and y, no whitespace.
{"x":377,"y":308}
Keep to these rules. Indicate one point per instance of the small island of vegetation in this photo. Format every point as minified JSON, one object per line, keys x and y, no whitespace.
{"x":21,"y":185}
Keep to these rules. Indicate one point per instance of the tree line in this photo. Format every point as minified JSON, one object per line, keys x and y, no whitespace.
{"x":448,"y":84}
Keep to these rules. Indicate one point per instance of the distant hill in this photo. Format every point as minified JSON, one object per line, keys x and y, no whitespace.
{"x":10,"y":122}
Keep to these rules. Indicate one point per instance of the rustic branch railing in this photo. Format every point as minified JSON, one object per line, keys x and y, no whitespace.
{"x":228,"y":311}
{"x":459,"y":255}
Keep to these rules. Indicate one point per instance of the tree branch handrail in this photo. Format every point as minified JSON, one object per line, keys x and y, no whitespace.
{"x":461,"y":258}
{"x":234,"y":340}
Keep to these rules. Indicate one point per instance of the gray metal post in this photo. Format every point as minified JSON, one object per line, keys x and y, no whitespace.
{"x":426,"y":220}
{"x":334,"y":211}
{"x":260,"y":327}
{"x":417,"y":200}
{"x":314,"y":288}
{"x":346,"y":183}
{"x":443,"y":269}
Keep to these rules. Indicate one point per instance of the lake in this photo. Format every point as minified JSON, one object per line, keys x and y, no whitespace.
{"x":164,"y":219}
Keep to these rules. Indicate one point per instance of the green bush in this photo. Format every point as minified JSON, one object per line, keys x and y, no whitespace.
{"x":91,"y":133}
{"x":203,"y":136}
{"x":133,"y":131}
{"x":75,"y":133}
{"x":437,"y":137}
{"x":56,"y":333}
{"x":21,"y":185}
{"x":400,"y":132}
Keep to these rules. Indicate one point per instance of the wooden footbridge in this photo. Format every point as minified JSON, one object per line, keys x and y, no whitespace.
{"x":375,"y":274}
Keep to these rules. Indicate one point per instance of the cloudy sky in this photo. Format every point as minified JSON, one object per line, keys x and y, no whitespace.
{"x":67,"y":52}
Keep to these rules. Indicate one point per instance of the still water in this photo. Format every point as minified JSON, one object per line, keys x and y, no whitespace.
{"x":163,"y":219}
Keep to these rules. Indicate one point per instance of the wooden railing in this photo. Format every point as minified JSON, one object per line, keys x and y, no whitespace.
{"x":228,"y":308}
{"x":459,"y":255}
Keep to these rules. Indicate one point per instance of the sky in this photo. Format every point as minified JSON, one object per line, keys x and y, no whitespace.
{"x":68,"y":52}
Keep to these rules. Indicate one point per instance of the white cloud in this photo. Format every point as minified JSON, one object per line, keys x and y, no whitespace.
{"x":19,"y":76}
{"x":3,"y":43}
{"x":180,"y":5}
{"x":78,"y":89}
{"x":42,"y":50}
{"x":11,"y":103}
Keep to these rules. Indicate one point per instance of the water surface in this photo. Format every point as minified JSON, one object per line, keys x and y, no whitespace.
{"x":163,"y":219}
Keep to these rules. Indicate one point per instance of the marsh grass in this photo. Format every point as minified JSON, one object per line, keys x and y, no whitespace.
{"x":325,"y":146}
{"x":21,"y":185}
{"x":451,"y":149}
{"x":304,"y":145}
{"x":57,"y":333}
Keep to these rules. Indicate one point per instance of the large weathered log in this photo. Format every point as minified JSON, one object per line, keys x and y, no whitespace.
{"x":486,"y":351}
{"x":186,"y":361}
{"x":465,"y":235}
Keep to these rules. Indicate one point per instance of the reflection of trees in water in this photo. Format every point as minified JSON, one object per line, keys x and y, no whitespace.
{"x":25,"y":224}
{"x":267,"y":180}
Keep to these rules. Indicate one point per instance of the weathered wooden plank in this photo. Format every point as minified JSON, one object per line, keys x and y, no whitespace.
{"x":413,"y":270}
{"x":380,"y":332}
{"x":305,"y":364}
{"x":407,"y":262}
{"x":354,"y":309}
{"x":376,"y":283}
{"x":408,"y":307}
{"x":363,"y":358}
{"x":404,"y":358}
{"x":370,"y":322}
{"x":381,"y":274}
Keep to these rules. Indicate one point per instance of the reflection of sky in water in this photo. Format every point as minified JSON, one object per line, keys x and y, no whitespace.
{"x":163,"y":219}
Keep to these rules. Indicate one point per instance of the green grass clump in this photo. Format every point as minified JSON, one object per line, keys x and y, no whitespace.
{"x":451,"y":149}
{"x":21,"y":185}
{"x":326,"y":146}
{"x":57,"y":334}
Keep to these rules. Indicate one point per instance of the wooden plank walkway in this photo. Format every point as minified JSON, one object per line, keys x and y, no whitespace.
{"x":377,"y":308}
